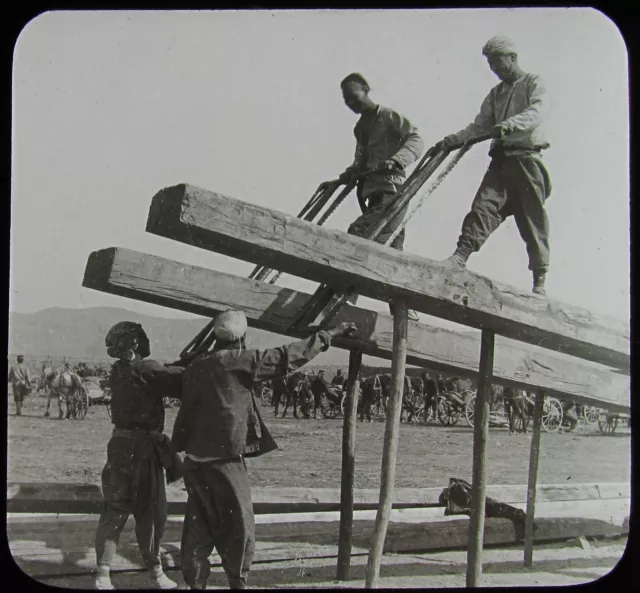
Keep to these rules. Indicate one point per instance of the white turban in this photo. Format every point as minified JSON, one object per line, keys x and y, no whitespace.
{"x":499,"y":45}
{"x":230,"y":326}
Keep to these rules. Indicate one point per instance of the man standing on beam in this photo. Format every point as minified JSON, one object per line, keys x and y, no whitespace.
{"x":218,"y":425}
{"x":388,"y":143}
{"x":517,"y":182}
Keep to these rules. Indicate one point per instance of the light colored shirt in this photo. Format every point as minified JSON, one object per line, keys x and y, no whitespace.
{"x":20,"y":374}
{"x":521,"y":107}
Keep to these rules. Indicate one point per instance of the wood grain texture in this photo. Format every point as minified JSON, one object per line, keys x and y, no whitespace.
{"x":260,"y":235}
{"x":205,"y":292}
{"x":42,"y":497}
{"x":64,"y":544}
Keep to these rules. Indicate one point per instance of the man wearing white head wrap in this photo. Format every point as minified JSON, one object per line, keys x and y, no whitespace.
{"x":219,"y":424}
{"x":517,"y":182}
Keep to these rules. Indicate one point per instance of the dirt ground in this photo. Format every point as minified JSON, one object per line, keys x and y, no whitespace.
{"x":50,"y":450}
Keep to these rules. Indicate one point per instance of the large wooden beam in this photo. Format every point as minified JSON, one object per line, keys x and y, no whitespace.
{"x":205,"y":292}
{"x":65,"y":543}
{"x":242,"y":230}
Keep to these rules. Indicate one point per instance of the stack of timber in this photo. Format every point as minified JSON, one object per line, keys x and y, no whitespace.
{"x":300,"y":522}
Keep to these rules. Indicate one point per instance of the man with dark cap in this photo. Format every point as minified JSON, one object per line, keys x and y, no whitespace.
{"x":21,"y":382}
{"x":517,"y":182}
{"x":387,"y":143}
{"x":137,"y":454}
{"x":218,"y":425}
{"x":338,"y":380}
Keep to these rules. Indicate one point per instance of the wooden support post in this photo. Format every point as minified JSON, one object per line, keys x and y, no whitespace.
{"x":348,"y":466}
{"x":533,"y":478}
{"x":480,"y":438}
{"x":390,"y":446}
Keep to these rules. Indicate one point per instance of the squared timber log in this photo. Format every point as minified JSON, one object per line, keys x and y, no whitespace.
{"x":205,"y":292}
{"x":260,"y":235}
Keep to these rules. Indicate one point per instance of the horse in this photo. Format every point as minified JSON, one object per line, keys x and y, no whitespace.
{"x":515,"y":407}
{"x":376,"y":391}
{"x":47,"y":375}
{"x":298,"y":394}
{"x":66,"y":386}
{"x":413,"y":396}
{"x":320,"y":388}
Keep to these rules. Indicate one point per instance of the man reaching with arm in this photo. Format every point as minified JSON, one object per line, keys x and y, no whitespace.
{"x":218,"y":425}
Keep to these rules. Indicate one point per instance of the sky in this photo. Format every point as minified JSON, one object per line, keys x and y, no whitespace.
{"x":111,"y":107}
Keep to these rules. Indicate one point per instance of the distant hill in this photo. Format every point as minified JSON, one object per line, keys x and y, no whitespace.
{"x":80,"y":333}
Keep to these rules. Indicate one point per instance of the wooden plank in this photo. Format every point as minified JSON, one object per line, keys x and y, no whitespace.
{"x":65,"y":543}
{"x":204,"y":292}
{"x":479,"y":470}
{"x":87,"y":498}
{"x":347,"y":479}
{"x":390,"y":444}
{"x":260,"y":235}
{"x":534,"y":457}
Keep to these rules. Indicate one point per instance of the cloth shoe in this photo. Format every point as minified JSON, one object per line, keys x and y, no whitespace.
{"x":159,"y":580}
{"x":103,"y":580}
{"x":538,"y":283}
{"x":458,"y":260}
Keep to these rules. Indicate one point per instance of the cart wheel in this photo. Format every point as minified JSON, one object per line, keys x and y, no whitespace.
{"x":266,"y":397}
{"x":448,"y":415}
{"x":590,"y":414}
{"x":81,"y":411}
{"x":330,"y":409}
{"x":551,"y":414}
{"x":470,"y":410}
{"x":607,"y":423}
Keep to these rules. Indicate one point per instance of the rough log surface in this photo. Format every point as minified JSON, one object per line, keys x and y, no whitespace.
{"x":87,"y":498}
{"x":259,"y":235}
{"x":205,"y":292}
{"x":64,"y":544}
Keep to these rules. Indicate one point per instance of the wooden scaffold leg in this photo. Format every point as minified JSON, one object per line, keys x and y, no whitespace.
{"x":480,"y":438}
{"x":348,"y":466}
{"x":533,"y":479}
{"x":390,"y":447}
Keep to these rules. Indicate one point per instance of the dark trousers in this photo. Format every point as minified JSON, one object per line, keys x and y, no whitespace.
{"x":513,"y":185}
{"x":377,"y":203}
{"x":128,"y":492}
{"x":219,"y":515}
{"x":20,"y":392}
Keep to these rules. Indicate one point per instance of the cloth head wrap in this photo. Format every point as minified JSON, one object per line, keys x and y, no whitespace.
{"x":119,"y":336}
{"x":499,"y":45}
{"x":356,"y":77}
{"x":230,"y":326}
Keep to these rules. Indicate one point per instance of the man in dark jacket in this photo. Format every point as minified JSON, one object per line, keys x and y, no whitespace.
{"x":218,"y":424}
{"x":137,"y":454}
{"x":338,"y":380}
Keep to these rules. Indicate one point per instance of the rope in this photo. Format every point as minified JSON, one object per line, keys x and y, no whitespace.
{"x":417,"y":204}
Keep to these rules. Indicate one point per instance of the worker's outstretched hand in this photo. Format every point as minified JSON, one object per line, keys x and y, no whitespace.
{"x":446,"y":143}
{"x":499,"y":131}
{"x":326,"y":185}
{"x":344,"y":329}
